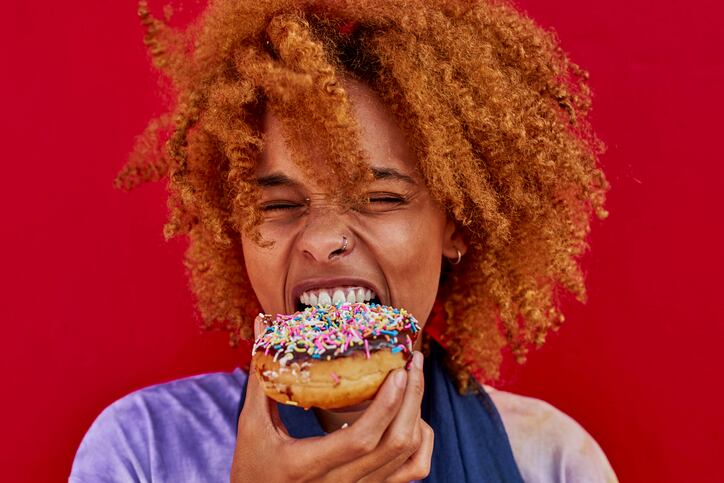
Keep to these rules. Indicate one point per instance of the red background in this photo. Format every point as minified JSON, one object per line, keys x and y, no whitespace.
{"x":95,"y":304}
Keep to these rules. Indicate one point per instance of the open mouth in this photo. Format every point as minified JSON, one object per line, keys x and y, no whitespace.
{"x":336,"y":295}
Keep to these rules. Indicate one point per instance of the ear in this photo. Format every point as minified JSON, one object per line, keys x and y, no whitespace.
{"x":453,"y":240}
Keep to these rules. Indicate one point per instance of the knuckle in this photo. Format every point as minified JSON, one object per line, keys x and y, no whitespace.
{"x":417,"y":437}
{"x":421,"y":471}
{"x":363,"y":444}
{"x":397,"y":443}
{"x":427,"y":430}
{"x":304,"y":471}
{"x":295,"y":474}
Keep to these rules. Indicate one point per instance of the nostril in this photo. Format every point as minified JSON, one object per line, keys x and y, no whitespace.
{"x":340,"y":250}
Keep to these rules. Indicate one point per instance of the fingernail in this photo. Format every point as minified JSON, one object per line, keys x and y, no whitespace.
{"x":258,"y":325}
{"x":417,"y":360}
{"x":400,"y":377}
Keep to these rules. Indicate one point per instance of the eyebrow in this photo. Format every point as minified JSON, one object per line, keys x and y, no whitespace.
{"x":279,"y":179}
{"x":391,"y":173}
{"x":275,"y":179}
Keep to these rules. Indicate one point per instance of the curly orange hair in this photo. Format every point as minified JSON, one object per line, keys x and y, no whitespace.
{"x":494,"y":110}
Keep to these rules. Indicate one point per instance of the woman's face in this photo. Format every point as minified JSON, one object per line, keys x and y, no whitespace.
{"x":394,"y":246}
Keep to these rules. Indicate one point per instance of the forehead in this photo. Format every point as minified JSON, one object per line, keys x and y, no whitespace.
{"x":380,"y":137}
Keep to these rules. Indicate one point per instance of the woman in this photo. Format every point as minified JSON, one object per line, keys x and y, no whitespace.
{"x":436,"y":154}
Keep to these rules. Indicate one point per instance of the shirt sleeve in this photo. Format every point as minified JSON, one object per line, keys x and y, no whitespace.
{"x":548,"y":445}
{"x":113,"y":449}
{"x":182,"y":430}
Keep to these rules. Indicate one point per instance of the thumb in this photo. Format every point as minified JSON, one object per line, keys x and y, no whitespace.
{"x":260,"y":324}
{"x":256,"y":404}
{"x":256,"y":400}
{"x":258,"y":409}
{"x":262,"y":406}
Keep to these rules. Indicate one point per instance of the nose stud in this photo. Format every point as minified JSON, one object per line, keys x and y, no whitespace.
{"x":340,"y":250}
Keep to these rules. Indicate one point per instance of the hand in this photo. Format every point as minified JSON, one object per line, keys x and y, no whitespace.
{"x":390,"y":442}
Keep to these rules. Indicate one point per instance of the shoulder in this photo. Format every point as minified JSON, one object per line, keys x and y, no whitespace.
{"x":549,"y":445}
{"x":127,"y":439}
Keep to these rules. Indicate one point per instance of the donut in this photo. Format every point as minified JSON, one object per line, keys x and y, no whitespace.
{"x":332,"y":356}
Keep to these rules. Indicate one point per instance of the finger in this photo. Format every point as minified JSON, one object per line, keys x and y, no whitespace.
{"x":260,"y":324}
{"x":383,"y":472}
{"x":259,"y":412}
{"x":372,"y":425}
{"x":255,"y":401}
{"x":389,"y":453}
{"x":363,"y":436}
{"x":414,"y":391}
{"x":399,"y":442}
{"x":277,"y":419}
{"x":417,"y":467}
{"x":254,"y":388}
{"x":259,"y":422}
{"x":402,"y":427}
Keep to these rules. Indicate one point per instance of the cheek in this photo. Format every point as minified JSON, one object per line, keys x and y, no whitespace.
{"x":410,"y":254}
{"x":265,"y":276}
{"x":414,"y":253}
{"x":420,"y":239}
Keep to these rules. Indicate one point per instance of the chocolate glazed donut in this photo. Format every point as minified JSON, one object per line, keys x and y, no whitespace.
{"x":331,"y":356}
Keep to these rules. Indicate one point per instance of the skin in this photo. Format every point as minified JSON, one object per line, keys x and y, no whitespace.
{"x":396,"y":243}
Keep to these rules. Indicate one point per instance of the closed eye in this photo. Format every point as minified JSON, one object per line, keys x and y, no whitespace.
{"x":386,"y":199}
{"x":276,"y":206}
{"x":381,"y":202}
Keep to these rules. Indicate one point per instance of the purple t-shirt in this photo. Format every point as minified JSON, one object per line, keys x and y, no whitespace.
{"x":181,"y":431}
{"x":185,"y":431}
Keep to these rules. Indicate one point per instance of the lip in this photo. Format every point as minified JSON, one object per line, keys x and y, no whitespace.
{"x":312,"y":283}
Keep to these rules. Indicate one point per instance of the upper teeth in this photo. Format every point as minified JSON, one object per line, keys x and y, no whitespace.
{"x":336,"y":295}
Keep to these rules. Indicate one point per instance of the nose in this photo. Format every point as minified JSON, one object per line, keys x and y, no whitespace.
{"x":325,"y":236}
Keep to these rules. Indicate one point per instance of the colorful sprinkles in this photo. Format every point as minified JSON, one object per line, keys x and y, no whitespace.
{"x":327,"y":331}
